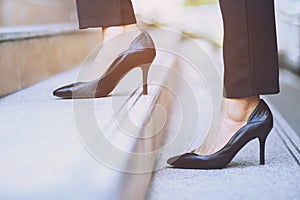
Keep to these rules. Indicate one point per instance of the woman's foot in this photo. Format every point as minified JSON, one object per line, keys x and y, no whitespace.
{"x":140,"y":53}
{"x":111,"y":48}
{"x":233,"y":115}
{"x":111,"y":32}
{"x":258,"y":126}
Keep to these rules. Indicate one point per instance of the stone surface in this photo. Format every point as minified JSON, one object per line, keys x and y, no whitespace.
{"x":10,"y":72}
{"x":43,"y":155}
{"x":46,"y":148}
{"x":27,"y":61}
{"x":28,"y":12}
{"x":8,"y":33}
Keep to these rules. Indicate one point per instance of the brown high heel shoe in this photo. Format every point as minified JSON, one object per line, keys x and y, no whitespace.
{"x":141,"y":53}
{"x":259,"y":125}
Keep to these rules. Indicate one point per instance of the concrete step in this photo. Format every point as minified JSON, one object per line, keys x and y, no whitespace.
{"x":244,"y":178}
{"x":32,"y":53}
{"x":36,"y":12}
{"x":107,"y":148}
{"x":89,"y":148}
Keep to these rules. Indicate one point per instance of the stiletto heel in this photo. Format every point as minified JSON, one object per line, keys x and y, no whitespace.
{"x":145,"y":70}
{"x":141,"y":53}
{"x":262,"y":142}
{"x":258,"y":126}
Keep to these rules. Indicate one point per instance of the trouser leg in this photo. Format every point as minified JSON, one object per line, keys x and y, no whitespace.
{"x":104,"y":13}
{"x":249,"y":48}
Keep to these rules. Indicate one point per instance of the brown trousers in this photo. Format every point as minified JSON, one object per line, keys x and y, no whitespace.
{"x":250,"y":45}
{"x":104,"y":13}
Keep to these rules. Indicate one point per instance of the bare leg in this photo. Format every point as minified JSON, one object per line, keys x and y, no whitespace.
{"x":233,"y":115}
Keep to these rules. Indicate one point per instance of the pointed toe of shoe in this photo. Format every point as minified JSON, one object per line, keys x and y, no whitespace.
{"x":181,"y":161}
{"x":64,"y":92}
{"x":186,"y":161}
{"x":59,"y":93}
{"x":172,"y":160}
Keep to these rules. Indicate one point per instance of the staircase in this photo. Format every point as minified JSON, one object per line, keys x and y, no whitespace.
{"x":35,"y":46}
{"x":36,"y":12}
{"x":32,"y":53}
{"x":116,"y":147}
{"x":85,"y":149}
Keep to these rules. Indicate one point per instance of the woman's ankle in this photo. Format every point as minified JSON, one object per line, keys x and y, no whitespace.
{"x":240,"y":109}
{"x":130,"y":27}
{"x":113,"y":31}
{"x":110,"y":32}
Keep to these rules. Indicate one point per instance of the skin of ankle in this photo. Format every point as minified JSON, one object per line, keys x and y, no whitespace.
{"x":130,"y":27}
{"x":110,"y":32}
{"x":233,"y":115}
{"x":239,"y":110}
